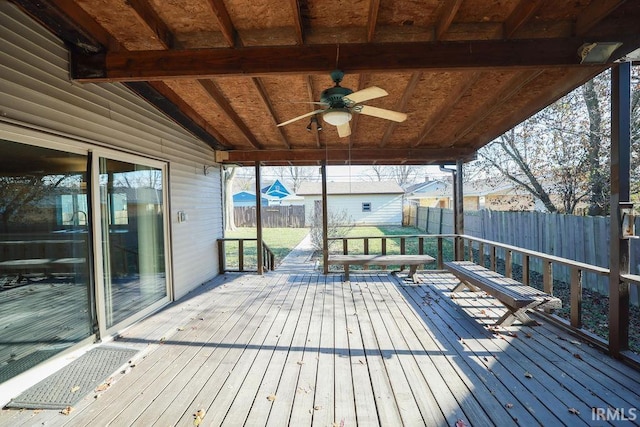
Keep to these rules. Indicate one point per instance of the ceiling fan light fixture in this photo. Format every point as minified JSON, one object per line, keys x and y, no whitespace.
{"x":337,"y":116}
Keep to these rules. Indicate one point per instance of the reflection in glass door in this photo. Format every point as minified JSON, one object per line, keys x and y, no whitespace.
{"x":132,"y":228}
{"x":45,"y":258}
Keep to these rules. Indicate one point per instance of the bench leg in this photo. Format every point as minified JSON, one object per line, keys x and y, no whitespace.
{"x":520,"y":314}
{"x":462,"y":285}
{"x":413,"y":269}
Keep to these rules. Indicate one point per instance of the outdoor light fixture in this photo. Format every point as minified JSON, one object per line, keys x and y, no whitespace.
{"x":597,"y":53}
{"x":337,"y":116}
{"x":627,"y":221}
{"x":314,"y":119}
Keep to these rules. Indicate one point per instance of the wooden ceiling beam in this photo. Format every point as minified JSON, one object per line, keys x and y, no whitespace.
{"x":222,"y":102}
{"x":354,"y":58}
{"x":520,"y":16}
{"x":401,"y":106}
{"x":224,"y":20}
{"x":150,"y":17}
{"x":352,"y":155}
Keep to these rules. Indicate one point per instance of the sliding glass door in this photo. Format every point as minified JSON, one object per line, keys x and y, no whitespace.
{"x":132,"y":236}
{"x":83,"y":246}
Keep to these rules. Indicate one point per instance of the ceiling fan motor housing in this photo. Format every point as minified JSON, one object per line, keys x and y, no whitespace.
{"x":333,"y":96}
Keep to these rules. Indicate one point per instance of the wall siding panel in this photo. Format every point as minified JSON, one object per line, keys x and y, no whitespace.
{"x":36,"y":92}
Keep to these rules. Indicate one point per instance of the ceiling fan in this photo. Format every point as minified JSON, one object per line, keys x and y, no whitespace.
{"x":340,"y":103}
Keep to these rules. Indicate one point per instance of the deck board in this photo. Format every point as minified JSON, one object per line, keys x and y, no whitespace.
{"x":311,"y":350}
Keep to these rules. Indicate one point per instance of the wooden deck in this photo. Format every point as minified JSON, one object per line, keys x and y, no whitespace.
{"x":309,"y":350}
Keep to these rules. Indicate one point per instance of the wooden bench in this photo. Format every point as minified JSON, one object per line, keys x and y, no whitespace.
{"x":518,"y":298}
{"x":413,"y":261}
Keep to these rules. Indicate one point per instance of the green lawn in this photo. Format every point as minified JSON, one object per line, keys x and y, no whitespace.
{"x":280,"y":240}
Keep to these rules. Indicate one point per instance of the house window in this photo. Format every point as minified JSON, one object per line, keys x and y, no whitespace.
{"x":366,"y":207}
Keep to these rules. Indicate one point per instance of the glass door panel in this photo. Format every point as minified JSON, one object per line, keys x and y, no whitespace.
{"x":45,"y":276}
{"x":132,"y":227}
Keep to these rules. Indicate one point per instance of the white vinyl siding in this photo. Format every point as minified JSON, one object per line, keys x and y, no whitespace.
{"x":37,"y":93}
{"x":386,"y":209}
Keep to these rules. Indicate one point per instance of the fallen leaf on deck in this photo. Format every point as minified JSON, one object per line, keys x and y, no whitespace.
{"x":181,"y":328}
{"x":74,"y":389}
{"x":317,"y":408}
{"x":577,"y":356}
{"x":67,"y":410}
{"x":461,"y":423}
{"x":271,"y":397}
{"x":513,"y":334}
{"x":300,"y":362}
{"x":509,"y":405}
{"x":574,"y":411}
{"x":529,"y":335}
{"x":528,"y":375}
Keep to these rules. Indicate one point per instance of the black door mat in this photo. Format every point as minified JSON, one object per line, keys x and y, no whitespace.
{"x":70,"y":384}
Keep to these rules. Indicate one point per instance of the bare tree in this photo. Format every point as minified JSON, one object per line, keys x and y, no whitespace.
{"x":401,"y":174}
{"x":296,"y":175}
{"x":228,"y":174}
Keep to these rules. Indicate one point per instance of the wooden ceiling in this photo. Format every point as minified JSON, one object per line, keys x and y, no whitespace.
{"x":464,"y":71}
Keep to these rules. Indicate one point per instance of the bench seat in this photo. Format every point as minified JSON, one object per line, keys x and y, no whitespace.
{"x":413,"y":261}
{"x":515,"y":296}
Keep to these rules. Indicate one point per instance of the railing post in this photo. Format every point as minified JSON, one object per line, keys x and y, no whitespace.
{"x":421,"y":245}
{"x":547,"y":277}
{"x":525,"y":269}
{"x":507,"y":263}
{"x":366,"y":246}
{"x":481,"y":253}
{"x":440,"y":254}
{"x":259,"y":220}
{"x":241,"y":255}
{"x":402,"y":245}
{"x":492,"y":258}
{"x":576,"y":297}
{"x":345,"y":246}
{"x":221,"y":257}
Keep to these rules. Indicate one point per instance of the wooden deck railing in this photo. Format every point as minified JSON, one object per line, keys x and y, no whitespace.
{"x":400,"y":242}
{"x":268,"y":257}
{"x":488,"y":253}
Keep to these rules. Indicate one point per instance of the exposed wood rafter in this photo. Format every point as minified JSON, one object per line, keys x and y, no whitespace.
{"x":222,"y":102}
{"x":374,"y":5}
{"x":401,"y":106}
{"x":224,"y":20}
{"x":257,"y":82}
{"x":594,"y":13}
{"x":520,"y":16}
{"x":297,"y":22}
{"x":311,"y":108}
{"x":149,"y":17}
{"x":448,"y":14}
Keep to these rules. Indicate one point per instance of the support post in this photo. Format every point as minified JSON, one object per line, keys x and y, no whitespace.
{"x":620,"y":192}
{"x":259,"y":221}
{"x":325,"y":221}
{"x":458,"y":211}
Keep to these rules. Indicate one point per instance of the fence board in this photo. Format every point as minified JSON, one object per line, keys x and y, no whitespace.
{"x":272,"y":216}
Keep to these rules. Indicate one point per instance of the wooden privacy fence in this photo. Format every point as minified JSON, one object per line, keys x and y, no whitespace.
{"x":580,"y":238}
{"x":272,"y":216}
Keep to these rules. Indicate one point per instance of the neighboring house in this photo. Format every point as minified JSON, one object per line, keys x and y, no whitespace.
{"x":276,"y":189}
{"x":500,"y":195}
{"x":247,"y":198}
{"x":365,"y":203}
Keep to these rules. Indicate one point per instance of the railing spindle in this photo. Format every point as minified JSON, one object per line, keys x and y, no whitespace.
{"x":576,"y":297}
{"x":241,"y":254}
{"x":440,"y":254}
{"x":507,"y":263}
{"x":525,"y":269}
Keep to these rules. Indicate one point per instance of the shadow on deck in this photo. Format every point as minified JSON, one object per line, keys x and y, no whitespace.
{"x":308,"y":349}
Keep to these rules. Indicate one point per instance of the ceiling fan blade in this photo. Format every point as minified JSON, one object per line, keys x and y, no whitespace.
{"x":368,"y":110}
{"x":300,"y":117}
{"x":372,"y":92}
{"x":344,"y":130}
